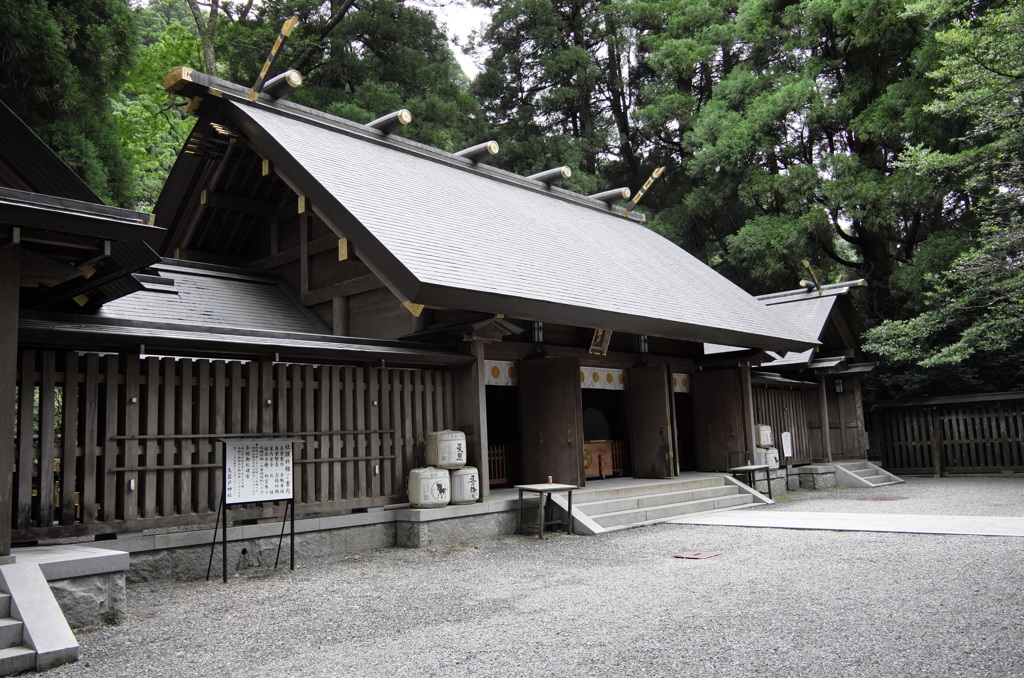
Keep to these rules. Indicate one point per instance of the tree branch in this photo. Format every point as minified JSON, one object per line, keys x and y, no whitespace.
{"x":317,"y":45}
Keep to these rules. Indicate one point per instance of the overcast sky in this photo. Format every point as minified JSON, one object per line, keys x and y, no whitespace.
{"x":461,"y":19}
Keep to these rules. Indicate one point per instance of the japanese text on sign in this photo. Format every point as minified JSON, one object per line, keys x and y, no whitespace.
{"x":257,"y":470}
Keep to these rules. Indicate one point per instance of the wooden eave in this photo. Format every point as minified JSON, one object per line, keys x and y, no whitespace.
{"x":76,"y":331}
{"x":28,"y":164}
{"x":50,"y":218}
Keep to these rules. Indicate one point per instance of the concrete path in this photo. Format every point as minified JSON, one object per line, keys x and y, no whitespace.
{"x":863,"y":522}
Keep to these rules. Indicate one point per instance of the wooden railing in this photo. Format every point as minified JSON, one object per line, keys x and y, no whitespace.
{"x":501,"y":464}
{"x":107,"y":443}
{"x":940,"y":436}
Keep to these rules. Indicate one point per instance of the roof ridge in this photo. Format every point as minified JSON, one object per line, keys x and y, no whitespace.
{"x":236,"y":94}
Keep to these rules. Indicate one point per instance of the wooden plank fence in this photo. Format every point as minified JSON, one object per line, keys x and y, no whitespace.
{"x":109,"y":443}
{"x":945,"y":436}
{"x":786,"y":410}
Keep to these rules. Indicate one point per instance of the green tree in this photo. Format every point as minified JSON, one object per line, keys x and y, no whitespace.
{"x":151,"y":124}
{"x":970,"y":334}
{"x":559,"y":88}
{"x":64,"y":59}
{"x":359,"y":62}
{"x":787,"y":121}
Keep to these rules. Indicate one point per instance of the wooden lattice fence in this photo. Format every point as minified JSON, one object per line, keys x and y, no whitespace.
{"x":109,"y":443}
{"x":942,"y":436}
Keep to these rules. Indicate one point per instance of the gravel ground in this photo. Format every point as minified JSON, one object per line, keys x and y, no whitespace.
{"x":774,"y":603}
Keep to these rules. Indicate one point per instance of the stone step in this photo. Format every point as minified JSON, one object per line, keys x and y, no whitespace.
{"x":16,"y":660}
{"x":654,"y":499}
{"x":645,"y":516}
{"x":879,"y":479}
{"x":11,"y":632}
{"x":587,"y":495}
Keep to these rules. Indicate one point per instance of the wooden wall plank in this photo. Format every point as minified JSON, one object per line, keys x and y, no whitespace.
{"x":185,"y":417}
{"x":419,"y":431}
{"x":387,"y":469}
{"x":335,"y":447}
{"x":361,"y":480}
{"x":308,"y":424}
{"x":92,"y":447}
{"x":151,"y":447}
{"x":348,"y":417}
{"x":69,"y":438}
{"x":133,"y":413}
{"x":168,"y":447}
{"x":204,"y":453}
{"x":113,"y":406}
{"x":373,"y":400}
{"x":325,"y":387}
{"x":401,"y":465}
{"x":27,"y":511}
{"x":47,"y":452}
{"x":251,"y":396}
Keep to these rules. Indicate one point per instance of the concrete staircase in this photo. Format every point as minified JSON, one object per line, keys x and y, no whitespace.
{"x":608,"y":508}
{"x":14,"y":656}
{"x":34,"y":635}
{"x":863,"y":474}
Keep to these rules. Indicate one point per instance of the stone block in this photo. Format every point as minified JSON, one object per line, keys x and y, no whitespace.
{"x":91,"y":601}
{"x":413,"y":535}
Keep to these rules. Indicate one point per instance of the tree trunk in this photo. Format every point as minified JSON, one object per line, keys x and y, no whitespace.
{"x":206,"y":26}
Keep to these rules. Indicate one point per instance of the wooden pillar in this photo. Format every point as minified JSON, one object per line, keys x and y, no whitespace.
{"x":10,"y":274}
{"x":934,"y":440}
{"x":340,"y":317}
{"x":471,"y":412}
{"x":826,"y":430}
{"x":747,"y":391}
{"x":863,"y":444}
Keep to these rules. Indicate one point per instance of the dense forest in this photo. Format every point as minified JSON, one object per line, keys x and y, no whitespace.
{"x":875,"y":139}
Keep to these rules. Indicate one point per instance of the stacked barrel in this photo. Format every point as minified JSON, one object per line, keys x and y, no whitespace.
{"x":446,"y":479}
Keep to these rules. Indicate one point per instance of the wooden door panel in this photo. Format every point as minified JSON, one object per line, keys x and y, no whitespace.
{"x":651,"y":424}
{"x":551,"y":420}
{"x":718,"y":420}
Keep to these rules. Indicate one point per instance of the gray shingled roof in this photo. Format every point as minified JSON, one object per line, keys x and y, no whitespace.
{"x":204,"y":296}
{"x":448,"y":234}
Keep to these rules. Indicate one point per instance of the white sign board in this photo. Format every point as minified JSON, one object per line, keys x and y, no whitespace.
{"x":787,"y":444}
{"x":257,"y":469}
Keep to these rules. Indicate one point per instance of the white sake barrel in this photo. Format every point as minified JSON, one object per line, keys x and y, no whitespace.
{"x":429,"y":487}
{"x":465,"y":485}
{"x":446,"y":449}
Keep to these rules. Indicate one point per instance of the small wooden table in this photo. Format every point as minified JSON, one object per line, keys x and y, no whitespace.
{"x":749,"y":470}
{"x":542,"y":490}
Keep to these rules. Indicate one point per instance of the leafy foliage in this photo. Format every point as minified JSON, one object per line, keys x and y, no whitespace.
{"x":972,"y":324}
{"x":64,"y":59}
{"x":150,"y":123}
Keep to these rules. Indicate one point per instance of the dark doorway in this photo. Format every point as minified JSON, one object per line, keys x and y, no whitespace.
{"x":605,"y":433}
{"x":684,"y":432}
{"x":503,"y":434}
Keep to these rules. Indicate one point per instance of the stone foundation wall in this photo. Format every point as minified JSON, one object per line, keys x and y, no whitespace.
{"x":455,"y":531}
{"x":813,"y":477}
{"x":184,"y":556}
{"x":93,"y":600}
{"x":192,"y":562}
